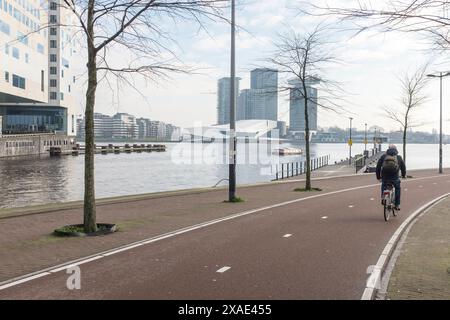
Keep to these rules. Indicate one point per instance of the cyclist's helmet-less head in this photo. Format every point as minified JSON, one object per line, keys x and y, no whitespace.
{"x":392,"y":150}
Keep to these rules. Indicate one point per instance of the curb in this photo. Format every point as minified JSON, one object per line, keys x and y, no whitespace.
{"x":78,"y":204}
{"x":379,"y":269}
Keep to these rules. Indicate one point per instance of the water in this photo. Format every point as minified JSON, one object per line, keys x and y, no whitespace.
{"x":41,"y":180}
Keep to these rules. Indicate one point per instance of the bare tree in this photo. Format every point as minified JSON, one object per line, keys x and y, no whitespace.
{"x":303,"y":57}
{"x":413,"y":96}
{"x":424,"y":16}
{"x":135,"y":28}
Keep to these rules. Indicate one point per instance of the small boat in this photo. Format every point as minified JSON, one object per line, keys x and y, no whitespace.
{"x":287,"y":151}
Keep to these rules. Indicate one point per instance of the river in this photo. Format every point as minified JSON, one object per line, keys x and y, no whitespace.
{"x":41,"y":180}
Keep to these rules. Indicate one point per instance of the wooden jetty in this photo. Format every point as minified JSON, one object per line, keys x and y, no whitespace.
{"x":110,"y":148}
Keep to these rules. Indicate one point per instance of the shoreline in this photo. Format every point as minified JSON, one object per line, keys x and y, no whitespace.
{"x":77,"y":204}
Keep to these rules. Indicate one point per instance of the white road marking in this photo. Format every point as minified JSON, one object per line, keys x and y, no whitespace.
{"x":223,"y":269}
{"x":77,"y":264}
{"x":287,"y":235}
{"x":372,"y":199}
{"x":377,"y":271}
{"x":15,"y":283}
{"x":351,"y":206}
{"x":324,"y":217}
{"x":45,"y":272}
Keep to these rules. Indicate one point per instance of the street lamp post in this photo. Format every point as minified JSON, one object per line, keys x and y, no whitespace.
{"x":232,"y":164}
{"x":440,"y":75}
{"x":350,"y":142}
{"x":365,"y":137}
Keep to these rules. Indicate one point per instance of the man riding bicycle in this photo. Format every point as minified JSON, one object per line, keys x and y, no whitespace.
{"x":388,"y":168}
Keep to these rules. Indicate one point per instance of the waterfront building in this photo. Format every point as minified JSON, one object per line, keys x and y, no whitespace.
{"x":223,"y":99}
{"x":245,"y":130}
{"x":124,"y":126}
{"x":36,"y":76}
{"x":297,"y":107}
{"x":260,"y":102}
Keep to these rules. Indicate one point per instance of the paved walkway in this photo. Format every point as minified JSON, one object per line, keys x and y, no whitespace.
{"x":277,"y":244}
{"x":422,"y":270}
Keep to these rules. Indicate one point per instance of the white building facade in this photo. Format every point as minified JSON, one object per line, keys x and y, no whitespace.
{"x":36,"y":78}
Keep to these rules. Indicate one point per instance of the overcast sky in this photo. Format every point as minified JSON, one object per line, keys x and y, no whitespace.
{"x":371,"y":64}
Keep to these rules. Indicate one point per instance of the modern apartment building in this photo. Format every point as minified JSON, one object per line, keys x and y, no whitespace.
{"x":223,"y":99}
{"x":123,"y":126}
{"x":297,"y":107}
{"x":36,"y":77}
{"x":260,"y":102}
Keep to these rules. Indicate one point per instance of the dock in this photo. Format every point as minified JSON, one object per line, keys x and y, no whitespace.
{"x":110,"y":148}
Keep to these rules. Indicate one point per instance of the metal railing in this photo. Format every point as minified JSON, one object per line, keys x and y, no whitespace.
{"x":292,"y":169}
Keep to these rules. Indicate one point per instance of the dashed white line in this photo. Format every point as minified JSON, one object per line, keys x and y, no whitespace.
{"x":325,"y":217}
{"x":287,"y":235}
{"x":45,"y":272}
{"x":351,"y":206}
{"x":223,"y":269}
{"x":372,"y":199}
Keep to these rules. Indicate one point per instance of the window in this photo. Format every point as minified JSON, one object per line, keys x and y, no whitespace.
{"x":18,"y":81}
{"x":53,"y":18}
{"x":53,"y":44}
{"x":4,"y":27}
{"x":53,"y":95}
{"x":53,"y":31}
{"x":40,"y":48}
{"x":22,"y":38}
{"x":53,"y":70}
{"x":73,"y":124}
{"x":61,"y":96}
{"x":53,"y":83}
{"x":69,"y":89}
{"x":15,"y":53}
{"x":62,"y":73}
{"x":6,"y":76}
{"x":53,"y":58}
{"x":42,"y":80}
{"x":53,"y":5}
{"x":65,"y":63}
{"x":6,"y":49}
{"x":27,"y":58}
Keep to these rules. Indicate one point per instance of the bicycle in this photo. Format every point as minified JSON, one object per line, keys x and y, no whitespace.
{"x":389,"y":201}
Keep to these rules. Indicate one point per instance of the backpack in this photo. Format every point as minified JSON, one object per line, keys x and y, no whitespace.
{"x":390,"y":165}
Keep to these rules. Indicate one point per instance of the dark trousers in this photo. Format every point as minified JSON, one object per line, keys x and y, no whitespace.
{"x":398,"y":189}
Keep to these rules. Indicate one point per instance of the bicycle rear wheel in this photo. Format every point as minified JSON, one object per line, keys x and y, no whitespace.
{"x":387,"y":213}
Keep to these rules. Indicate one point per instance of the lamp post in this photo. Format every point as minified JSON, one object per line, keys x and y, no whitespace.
{"x":232,"y":162}
{"x":350,"y":142}
{"x":365,"y":137}
{"x":440,"y":75}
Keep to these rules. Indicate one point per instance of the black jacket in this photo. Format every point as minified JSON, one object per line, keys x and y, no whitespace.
{"x":401,"y":163}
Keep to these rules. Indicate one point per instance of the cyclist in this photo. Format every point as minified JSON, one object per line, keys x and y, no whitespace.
{"x":388,"y":167}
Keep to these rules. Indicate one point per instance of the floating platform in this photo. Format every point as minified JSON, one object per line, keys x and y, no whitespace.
{"x":127,"y":148}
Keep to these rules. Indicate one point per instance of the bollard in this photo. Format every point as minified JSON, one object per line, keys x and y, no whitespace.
{"x":282,"y":171}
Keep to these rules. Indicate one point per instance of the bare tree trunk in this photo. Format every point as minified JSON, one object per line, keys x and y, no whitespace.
{"x":404,"y":143}
{"x":90,"y":224}
{"x":307,"y":147}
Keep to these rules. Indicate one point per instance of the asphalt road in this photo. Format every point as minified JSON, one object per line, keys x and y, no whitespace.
{"x":316,"y":248}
